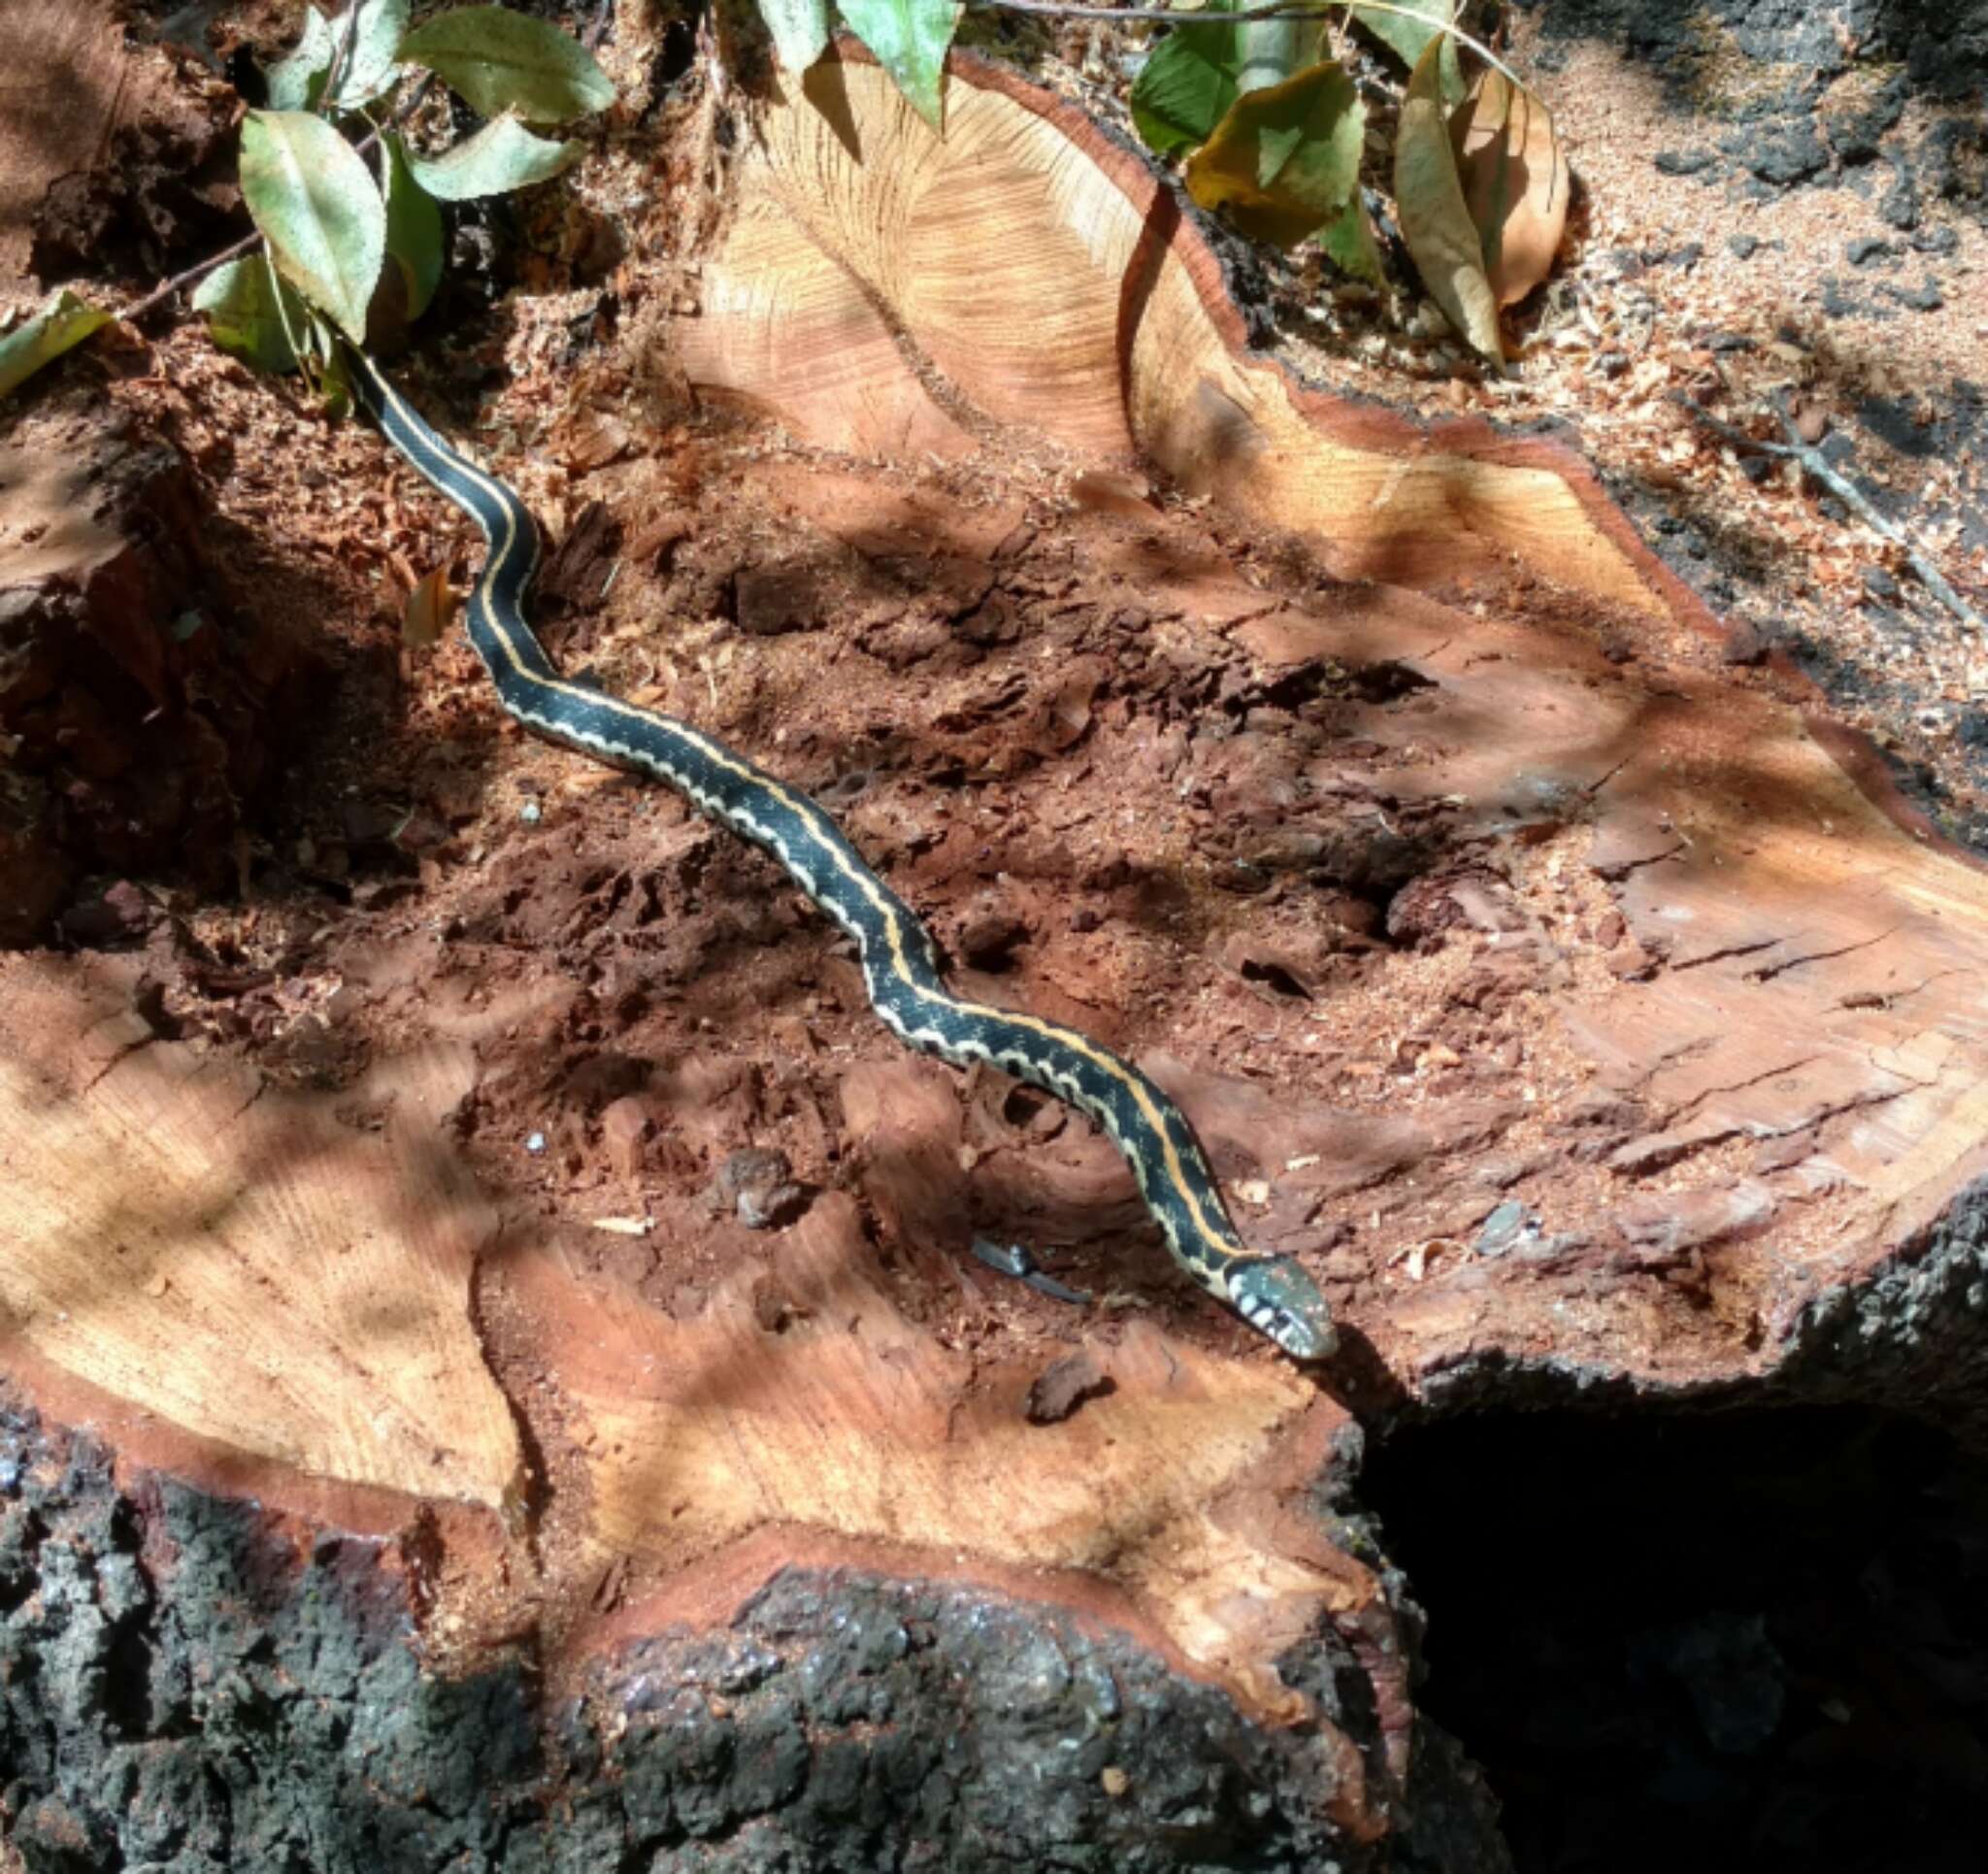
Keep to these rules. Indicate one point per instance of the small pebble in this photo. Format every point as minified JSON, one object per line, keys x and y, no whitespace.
{"x":1064,"y":1386}
{"x":626,"y":1127}
{"x":1744,"y":643}
{"x":535,"y":1143}
{"x":1901,"y":205}
{"x":1925,"y":297}
{"x":758,"y":1185}
{"x":1506,"y":1228}
{"x":531,"y":813}
{"x":122,"y":915}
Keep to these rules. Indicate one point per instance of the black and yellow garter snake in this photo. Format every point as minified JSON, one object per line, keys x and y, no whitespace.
{"x":900,"y":963}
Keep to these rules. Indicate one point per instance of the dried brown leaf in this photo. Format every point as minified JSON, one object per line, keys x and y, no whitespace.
{"x":430,"y":606}
{"x":1514,"y":170}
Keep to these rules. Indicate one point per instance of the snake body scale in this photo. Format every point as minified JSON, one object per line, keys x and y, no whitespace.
{"x":900,"y":963}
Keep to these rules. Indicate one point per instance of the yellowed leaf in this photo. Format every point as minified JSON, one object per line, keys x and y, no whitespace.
{"x":1286,"y":159}
{"x":1514,"y":176}
{"x":430,"y":606}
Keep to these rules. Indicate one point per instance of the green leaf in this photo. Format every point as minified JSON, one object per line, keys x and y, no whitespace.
{"x":1450,"y":71}
{"x":1187,"y":87}
{"x":502,"y":156}
{"x":910,"y":38}
{"x":1436,"y":220}
{"x":799,"y":28}
{"x":296,"y":80}
{"x":376,"y":51}
{"x":246,"y":305}
{"x":333,"y":380}
{"x":414,"y":229}
{"x":1407,"y":37}
{"x":506,"y":61}
{"x":1286,"y":159}
{"x":63,"y":322}
{"x":1349,"y":245}
{"x":312,"y":197}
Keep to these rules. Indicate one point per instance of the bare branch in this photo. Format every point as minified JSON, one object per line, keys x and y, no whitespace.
{"x":1814,"y":463}
{"x":341,"y":50}
{"x":1276,"y":10}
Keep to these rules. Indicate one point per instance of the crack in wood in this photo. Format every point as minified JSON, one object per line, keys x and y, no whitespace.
{"x":1891,"y":998}
{"x":528,"y":1494}
{"x":1593,"y":787}
{"x":1768,"y":972}
{"x":1703,"y":1093}
{"x":260,"y":1088}
{"x":117,"y":1060}
{"x":1615,"y":871}
{"x":1750,"y":948}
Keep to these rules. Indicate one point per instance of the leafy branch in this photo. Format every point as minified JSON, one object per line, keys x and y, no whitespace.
{"x":1271,"y":131}
{"x":252,"y":240}
{"x":340,"y":245}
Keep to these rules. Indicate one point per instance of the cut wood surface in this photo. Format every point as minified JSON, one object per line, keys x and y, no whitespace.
{"x":1763,"y":980}
{"x":238,"y":1263}
{"x":1050,"y":282}
{"x":1560,"y":998}
{"x":57,"y":108}
{"x":274,"y":1290}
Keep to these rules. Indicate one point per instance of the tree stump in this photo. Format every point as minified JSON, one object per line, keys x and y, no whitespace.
{"x":1576,"y":1013}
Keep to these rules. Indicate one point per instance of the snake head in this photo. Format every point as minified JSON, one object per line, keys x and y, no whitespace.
{"x":1277,"y":1296}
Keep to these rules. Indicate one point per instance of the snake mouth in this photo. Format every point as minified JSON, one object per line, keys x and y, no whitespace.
{"x":1279,"y":1298}
{"x":1303,"y":1339}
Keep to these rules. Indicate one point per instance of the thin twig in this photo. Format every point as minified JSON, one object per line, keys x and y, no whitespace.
{"x":1814,"y":463}
{"x":1276,"y":10}
{"x":158,"y":295}
{"x":250,"y":242}
{"x":341,"y":50}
